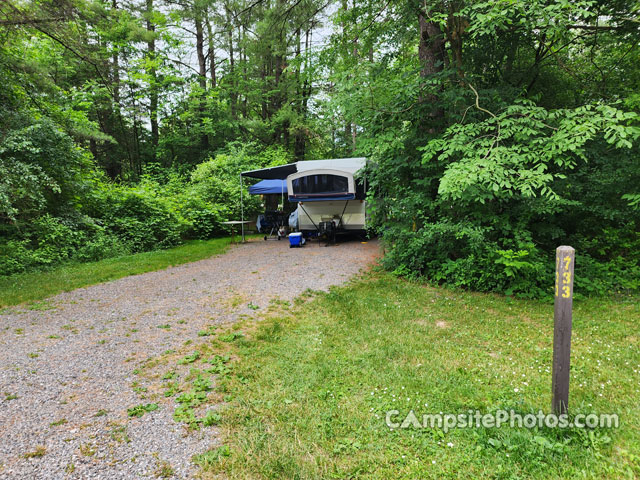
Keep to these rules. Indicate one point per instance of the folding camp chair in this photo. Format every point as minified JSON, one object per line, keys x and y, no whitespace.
{"x":275,"y":223}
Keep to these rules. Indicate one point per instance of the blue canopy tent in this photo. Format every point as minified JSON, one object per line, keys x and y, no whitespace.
{"x":273,"y":220}
{"x":270,"y":187}
{"x":266,"y":187}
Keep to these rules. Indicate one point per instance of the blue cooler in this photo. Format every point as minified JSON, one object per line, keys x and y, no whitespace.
{"x":295,"y":239}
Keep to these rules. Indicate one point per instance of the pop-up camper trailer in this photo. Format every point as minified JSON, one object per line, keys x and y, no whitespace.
{"x":330,"y":194}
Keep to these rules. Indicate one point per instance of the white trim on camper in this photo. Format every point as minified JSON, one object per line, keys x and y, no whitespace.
{"x":350,"y":165}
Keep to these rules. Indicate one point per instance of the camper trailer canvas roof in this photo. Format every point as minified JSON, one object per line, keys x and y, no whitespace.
{"x":351,"y":165}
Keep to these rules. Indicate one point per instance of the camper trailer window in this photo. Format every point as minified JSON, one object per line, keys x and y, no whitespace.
{"x":321,"y":185}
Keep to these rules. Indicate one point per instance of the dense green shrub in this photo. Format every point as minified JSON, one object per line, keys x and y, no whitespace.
{"x":204,"y":219}
{"x":45,"y":241}
{"x":41,"y":171}
{"x":15,"y":257}
{"x":49,"y":240}
{"x":464,"y":255}
{"x":138,"y":217}
{"x":50,"y":218}
{"x":217,"y":180}
{"x":478,"y":214}
{"x":99,"y":246}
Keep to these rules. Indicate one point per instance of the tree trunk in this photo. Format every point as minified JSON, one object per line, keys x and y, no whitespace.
{"x":114,"y":125}
{"x":211,"y":52}
{"x":455,"y":28}
{"x":299,"y":138}
{"x":233,"y":94}
{"x":431,"y":47}
{"x":349,"y":128}
{"x":153,"y":80}
{"x":115,"y":68}
{"x":279,"y":68}
{"x":202,"y":63}
{"x":243,"y":60}
{"x":264,"y":108}
{"x":353,"y":137}
{"x":276,"y":99}
{"x":202,"y":72}
{"x":431,"y":54}
{"x":347,"y":134}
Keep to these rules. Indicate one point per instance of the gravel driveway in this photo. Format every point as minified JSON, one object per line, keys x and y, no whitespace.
{"x":67,"y":365}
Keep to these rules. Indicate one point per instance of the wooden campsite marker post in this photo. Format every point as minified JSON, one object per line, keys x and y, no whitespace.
{"x":565,"y":259}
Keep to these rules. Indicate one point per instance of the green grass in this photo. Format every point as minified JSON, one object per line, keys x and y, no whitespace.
{"x":40,"y":451}
{"x":140,"y":410}
{"x":30,"y":287}
{"x":310,"y":388}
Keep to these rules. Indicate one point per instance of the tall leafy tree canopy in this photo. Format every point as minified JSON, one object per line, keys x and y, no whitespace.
{"x":495,"y":130}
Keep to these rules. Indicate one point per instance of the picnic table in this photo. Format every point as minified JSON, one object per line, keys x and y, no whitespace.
{"x":234,"y":224}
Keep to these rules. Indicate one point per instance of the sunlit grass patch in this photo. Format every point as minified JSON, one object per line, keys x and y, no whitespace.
{"x":311,"y":387}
